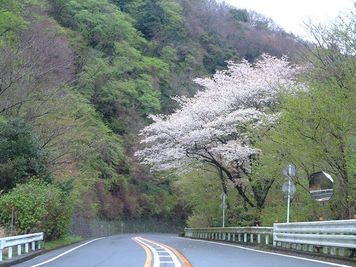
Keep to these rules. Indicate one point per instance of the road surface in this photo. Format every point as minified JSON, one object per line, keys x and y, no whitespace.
{"x":163,"y":250}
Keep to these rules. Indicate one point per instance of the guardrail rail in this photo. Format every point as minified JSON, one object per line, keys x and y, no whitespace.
{"x":336,"y":238}
{"x":330,"y":237}
{"x":21,"y":241}
{"x":233,"y":234}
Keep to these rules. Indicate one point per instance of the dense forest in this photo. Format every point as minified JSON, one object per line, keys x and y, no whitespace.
{"x":79,"y":80}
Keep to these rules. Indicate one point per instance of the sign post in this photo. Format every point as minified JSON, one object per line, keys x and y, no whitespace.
{"x":223,"y":206}
{"x":289,"y":171}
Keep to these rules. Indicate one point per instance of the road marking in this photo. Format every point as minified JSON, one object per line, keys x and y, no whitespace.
{"x":183,"y":259}
{"x":156,"y":259}
{"x":173,"y":256}
{"x":267,"y":252}
{"x":158,"y":248}
{"x":66,"y":252}
{"x":147,"y":250}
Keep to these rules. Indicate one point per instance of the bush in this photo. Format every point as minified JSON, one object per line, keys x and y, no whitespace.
{"x":38,"y":207}
{"x":21,"y":154}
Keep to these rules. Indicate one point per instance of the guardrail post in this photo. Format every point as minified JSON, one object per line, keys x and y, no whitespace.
{"x":245,"y":237}
{"x":267,"y":239}
{"x":33,"y":246}
{"x":19,"y":250}
{"x":239,"y":238}
{"x":1,"y":247}
{"x":333,"y":251}
{"x":9,"y":253}
{"x":233,"y":237}
{"x":26,"y":248}
{"x":325,"y":250}
{"x":251,"y":238}
{"x":259,"y":238}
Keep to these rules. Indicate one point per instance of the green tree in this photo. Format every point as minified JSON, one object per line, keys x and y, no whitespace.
{"x":37,"y":207}
{"x":21,"y":154}
{"x":11,"y":21}
{"x":317,"y":129}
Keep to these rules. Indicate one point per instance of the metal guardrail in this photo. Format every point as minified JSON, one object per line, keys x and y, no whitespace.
{"x":328,"y":237}
{"x":20,"y":241}
{"x":234,"y":234}
{"x":337,"y":234}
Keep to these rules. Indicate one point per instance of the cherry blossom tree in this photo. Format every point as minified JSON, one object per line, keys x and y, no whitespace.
{"x":215,"y":126}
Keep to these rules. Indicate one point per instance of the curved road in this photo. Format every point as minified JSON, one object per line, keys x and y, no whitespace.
{"x":161,"y":250}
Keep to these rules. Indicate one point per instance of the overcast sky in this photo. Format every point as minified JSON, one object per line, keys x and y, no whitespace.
{"x":290,"y":14}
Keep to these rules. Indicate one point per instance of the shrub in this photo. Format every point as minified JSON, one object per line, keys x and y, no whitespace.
{"x":21,"y":154}
{"x":38,"y":207}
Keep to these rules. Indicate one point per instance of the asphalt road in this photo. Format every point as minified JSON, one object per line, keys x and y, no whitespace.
{"x":161,"y":250}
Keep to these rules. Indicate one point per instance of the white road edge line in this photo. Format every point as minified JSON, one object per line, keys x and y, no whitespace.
{"x":266,"y":252}
{"x":66,"y":252}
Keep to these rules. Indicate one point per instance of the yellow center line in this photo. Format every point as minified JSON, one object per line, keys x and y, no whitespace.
{"x":147,"y":250}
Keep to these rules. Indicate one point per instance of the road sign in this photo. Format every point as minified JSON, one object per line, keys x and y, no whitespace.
{"x":289,"y":171}
{"x":285,"y":188}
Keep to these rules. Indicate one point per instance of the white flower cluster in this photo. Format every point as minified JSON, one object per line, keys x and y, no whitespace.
{"x":206,"y":126}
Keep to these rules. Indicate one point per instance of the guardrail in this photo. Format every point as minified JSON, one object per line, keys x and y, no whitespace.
{"x":20,"y":241}
{"x":330,"y":237}
{"x":233,"y":234}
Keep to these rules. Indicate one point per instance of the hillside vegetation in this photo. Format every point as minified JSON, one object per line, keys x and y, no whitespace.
{"x":78,"y":81}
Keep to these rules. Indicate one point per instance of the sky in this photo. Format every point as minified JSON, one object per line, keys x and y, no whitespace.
{"x":290,"y":14}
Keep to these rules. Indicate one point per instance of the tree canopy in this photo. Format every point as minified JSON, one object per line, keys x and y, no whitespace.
{"x":215,"y":126}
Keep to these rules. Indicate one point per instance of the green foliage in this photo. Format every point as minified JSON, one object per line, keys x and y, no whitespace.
{"x":21,"y":154}
{"x":126,"y":59}
{"x":37,"y":206}
{"x":61,"y":242}
{"x":317,"y":133}
{"x":316,"y":130}
{"x":100,"y":22}
{"x":158,"y":20}
{"x":11,"y":21}
{"x":240,"y":15}
{"x":200,"y":191}
{"x":116,"y":77}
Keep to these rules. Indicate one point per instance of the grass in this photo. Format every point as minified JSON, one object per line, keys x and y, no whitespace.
{"x":67,"y":240}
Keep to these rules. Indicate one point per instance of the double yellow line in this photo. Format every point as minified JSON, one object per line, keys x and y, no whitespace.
{"x":148,"y":262}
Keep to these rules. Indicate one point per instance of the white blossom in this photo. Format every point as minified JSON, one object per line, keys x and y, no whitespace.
{"x":207,"y":127}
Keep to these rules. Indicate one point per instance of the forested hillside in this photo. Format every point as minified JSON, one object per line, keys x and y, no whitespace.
{"x":78,"y":81}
